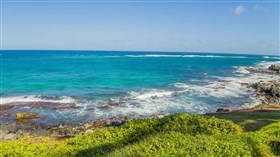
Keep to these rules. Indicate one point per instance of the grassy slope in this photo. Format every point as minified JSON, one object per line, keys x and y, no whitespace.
{"x":251,"y":121}
{"x":177,"y":135}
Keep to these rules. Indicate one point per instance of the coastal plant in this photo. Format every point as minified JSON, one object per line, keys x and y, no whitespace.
{"x":175,"y":135}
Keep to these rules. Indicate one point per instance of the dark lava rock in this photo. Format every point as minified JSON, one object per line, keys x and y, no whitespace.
{"x":6,"y":106}
{"x":268,"y":88}
{"x":104,"y":107}
{"x":269,"y":91}
{"x":270,"y":72}
{"x":223,"y":110}
{"x":274,"y":68}
{"x":117,"y":123}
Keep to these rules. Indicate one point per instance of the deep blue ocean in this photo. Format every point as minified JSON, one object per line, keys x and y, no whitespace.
{"x":144,"y":83}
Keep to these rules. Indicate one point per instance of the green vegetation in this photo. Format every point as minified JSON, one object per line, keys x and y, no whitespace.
{"x":251,"y":121}
{"x":177,"y":135}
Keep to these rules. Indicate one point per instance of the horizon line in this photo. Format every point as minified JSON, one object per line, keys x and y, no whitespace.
{"x":157,"y":51}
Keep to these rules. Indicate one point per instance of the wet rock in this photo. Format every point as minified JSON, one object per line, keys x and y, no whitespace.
{"x":223,"y":110}
{"x":244,"y":84}
{"x":6,"y":106}
{"x":118,"y":123}
{"x":44,"y":105}
{"x":115,"y":104}
{"x":49,"y":97}
{"x":9,"y":128}
{"x":268,"y":92}
{"x":51,"y":105}
{"x":6,"y":115}
{"x":104,"y":107}
{"x":10,"y":136}
{"x":111,"y":104}
{"x":26,"y":115}
{"x":274,"y":68}
{"x":269,"y":88}
{"x":271,"y":72}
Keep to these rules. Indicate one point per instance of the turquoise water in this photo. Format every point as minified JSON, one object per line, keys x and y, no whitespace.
{"x":95,"y":78}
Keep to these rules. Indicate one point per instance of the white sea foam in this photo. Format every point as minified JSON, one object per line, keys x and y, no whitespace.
{"x":206,"y":56}
{"x":186,"y":56}
{"x":241,"y":70}
{"x":265,"y":65}
{"x":189,"y":97}
{"x":154,"y":94}
{"x":271,"y":57}
{"x":276,"y":57}
{"x":153,"y":55}
{"x":111,"y":56}
{"x":180,"y":97}
{"x":36,"y":98}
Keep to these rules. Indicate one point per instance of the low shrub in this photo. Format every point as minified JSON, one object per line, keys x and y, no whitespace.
{"x":176,"y":135}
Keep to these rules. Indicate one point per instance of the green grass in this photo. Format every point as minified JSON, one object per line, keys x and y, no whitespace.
{"x":176,"y":135}
{"x":251,"y":121}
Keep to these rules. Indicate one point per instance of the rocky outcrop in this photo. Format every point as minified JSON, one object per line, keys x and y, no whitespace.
{"x":43,"y":105}
{"x":10,"y":136}
{"x":274,"y":68}
{"x":13,"y":131}
{"x":268,"y":92}
{"x":9,"y":128}
{"x":263,"y":71}
{"x":268,"y":88}
{"x":8,"y":131}
{"x":6,"y":106}
{"x":223,"y":110}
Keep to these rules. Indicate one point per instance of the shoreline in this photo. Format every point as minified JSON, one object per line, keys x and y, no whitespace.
{"x":266,"y":92}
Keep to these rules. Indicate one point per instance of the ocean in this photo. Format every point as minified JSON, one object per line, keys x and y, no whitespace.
{"x":106,"y":84}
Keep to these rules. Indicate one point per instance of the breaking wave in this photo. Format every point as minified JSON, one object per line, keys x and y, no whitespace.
{"x":186,"y":56}
{"x":37,"y":98}
{"x":179,"y":97}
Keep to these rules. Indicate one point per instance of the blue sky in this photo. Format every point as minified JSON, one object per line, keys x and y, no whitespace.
{"x":228,"y":27}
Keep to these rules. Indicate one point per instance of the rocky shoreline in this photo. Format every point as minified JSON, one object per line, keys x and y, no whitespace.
{"x":268,"y":93}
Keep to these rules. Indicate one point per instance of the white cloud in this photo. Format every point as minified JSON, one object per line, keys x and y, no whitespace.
{"x":259,"y":8}
{"x":239,"y":9}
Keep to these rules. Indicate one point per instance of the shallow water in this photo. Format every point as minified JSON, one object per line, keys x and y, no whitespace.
{"x":140,"y":83}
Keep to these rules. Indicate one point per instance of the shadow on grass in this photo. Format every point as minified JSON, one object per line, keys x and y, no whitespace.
{"x":250,"y":121}
{"x":133,"y":137}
